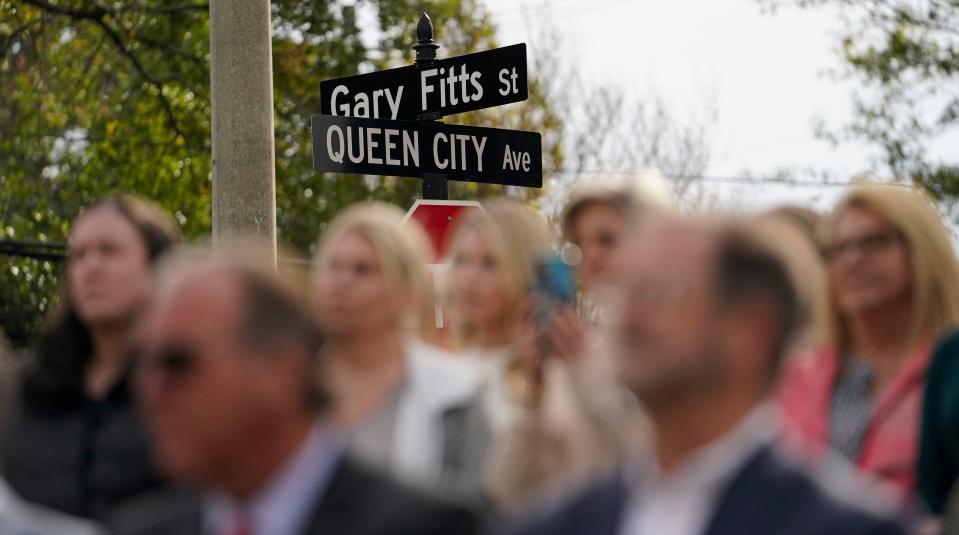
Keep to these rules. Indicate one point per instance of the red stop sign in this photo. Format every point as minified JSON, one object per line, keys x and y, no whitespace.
{"x":438,"y":219}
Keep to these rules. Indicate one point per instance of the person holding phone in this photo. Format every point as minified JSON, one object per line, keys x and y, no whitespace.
{"x":506,"y":294}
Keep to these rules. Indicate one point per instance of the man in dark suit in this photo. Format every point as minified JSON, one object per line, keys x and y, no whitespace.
{"x":227,"y":381}
{"x":707,"y":312}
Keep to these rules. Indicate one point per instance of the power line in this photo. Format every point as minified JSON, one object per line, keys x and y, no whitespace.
{"x":730,"y":179}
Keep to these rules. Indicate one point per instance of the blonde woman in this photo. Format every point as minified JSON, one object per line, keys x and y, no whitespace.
{"x":892,"y":289}
{"x":491,"y":258}
{"x":410,"y":408}
{"x":792,"y":232}
{"x":599,"y":212}
{"x":545,"y":438}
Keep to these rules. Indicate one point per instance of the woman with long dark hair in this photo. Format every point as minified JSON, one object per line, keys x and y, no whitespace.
{"x":75,"y":442}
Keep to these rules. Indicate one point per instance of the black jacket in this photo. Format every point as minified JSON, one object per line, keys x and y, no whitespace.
{"x":358,"y":501}
{"x":770,"y":496}
{"x":939,"y":438}
{"x":81,"y":458}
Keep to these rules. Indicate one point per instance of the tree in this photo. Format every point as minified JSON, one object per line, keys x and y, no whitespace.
{"x":605,"y":130}
{"x":905,"y":55}
{"x":102,"y":96}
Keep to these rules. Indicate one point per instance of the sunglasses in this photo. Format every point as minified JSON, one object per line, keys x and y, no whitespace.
{"x":174,"y":361}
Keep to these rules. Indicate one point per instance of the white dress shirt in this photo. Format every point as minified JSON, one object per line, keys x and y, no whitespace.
{"x":682,"y":501}
{"x":285,"y":504}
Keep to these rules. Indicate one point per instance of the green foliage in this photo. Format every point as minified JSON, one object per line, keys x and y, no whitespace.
{"x":906,"y":56}
{"x":102,"y":97}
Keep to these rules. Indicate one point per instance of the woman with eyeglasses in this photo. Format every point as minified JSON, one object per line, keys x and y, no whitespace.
{"x":75,"y":442}
{"x":408,"y":407}
{"x":893,"y":288}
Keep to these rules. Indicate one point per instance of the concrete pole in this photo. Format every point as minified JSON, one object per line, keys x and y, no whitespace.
{"x":241,"y":86}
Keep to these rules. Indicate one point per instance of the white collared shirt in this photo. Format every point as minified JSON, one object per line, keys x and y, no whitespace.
{"x":683,"y":501}
{"x":284,"y":505}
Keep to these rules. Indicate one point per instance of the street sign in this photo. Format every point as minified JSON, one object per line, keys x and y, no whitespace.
{"x":444,"y":87}
{"x":427,"y":150}
{"x":438,"y":218}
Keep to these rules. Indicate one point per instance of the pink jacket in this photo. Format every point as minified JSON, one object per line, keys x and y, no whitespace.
{"x":891,"y":444}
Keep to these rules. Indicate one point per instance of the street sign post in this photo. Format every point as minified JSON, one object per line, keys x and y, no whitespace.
{"x":426,"y":150}
{"x":434,"y":186}
{"x":446,"y":87}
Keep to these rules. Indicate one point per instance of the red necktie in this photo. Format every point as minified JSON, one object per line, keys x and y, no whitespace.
{"x":239,"y":525}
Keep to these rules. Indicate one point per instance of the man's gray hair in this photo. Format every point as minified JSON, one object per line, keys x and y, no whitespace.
{"x":275,"y":313}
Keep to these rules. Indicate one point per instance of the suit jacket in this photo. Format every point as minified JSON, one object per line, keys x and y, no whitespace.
{"x":358,"y":501}
{"x":769,"y":496}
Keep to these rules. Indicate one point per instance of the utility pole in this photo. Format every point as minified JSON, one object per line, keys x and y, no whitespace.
{"x":241,"y":87}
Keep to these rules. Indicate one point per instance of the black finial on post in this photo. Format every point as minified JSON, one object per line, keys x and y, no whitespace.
{"x":424,"y":28}
{"x":425,"y":47}
{"x":434,"y":187}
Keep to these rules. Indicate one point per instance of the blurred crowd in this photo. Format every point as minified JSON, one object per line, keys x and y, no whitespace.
{"x":625,"y":369}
